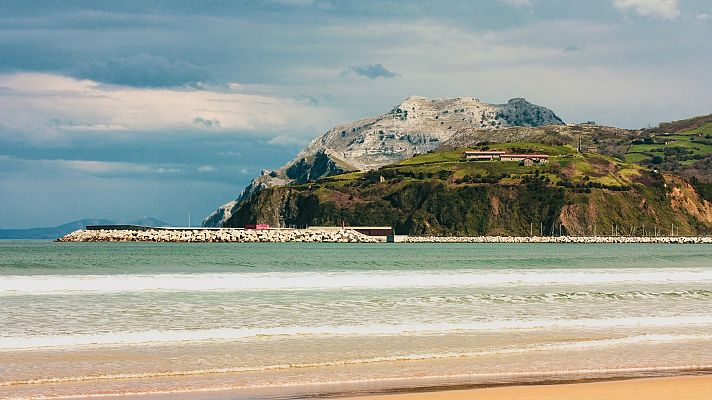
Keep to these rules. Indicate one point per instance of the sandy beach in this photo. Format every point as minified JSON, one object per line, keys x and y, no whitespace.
{"x":672,"y":388}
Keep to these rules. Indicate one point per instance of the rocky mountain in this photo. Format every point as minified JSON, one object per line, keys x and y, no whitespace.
{"x":415,"y":126}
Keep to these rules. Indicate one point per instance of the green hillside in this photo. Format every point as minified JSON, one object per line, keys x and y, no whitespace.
{"x":443,"y":193}
{"x":687,"y":153}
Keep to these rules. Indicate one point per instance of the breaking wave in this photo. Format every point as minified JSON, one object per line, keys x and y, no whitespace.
{"x":78,"y":284}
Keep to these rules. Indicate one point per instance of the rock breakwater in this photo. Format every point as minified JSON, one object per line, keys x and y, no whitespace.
{"x":559,"y":239}
{"x":337,"y":235}
{"x":221,"y":236}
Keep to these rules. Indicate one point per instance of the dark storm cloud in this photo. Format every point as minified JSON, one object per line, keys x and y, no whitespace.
{"x":371,"y":71}
{"x":142,"y":70}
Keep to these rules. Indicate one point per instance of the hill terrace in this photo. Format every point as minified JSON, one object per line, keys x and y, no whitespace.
{"x":527,"y":159}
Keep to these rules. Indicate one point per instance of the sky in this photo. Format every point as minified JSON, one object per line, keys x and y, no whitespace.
{"x":127,"y":109}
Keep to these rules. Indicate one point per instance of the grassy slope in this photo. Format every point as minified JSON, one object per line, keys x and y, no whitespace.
{"x":689,"y":142}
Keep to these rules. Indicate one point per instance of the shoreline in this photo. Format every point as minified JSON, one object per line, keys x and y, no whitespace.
{"x":688,"y":387}
{"x":343,"y":235}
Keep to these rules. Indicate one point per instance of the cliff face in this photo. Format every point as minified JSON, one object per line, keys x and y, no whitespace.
{"x":415,"y":126}
{"x":434,"y":208}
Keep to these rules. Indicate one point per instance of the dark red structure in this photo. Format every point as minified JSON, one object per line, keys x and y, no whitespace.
{"x":257,"y":226}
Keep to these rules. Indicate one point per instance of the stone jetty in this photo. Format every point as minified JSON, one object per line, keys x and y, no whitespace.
{"x":340,"y":235}
{"x":221,"y":236}
{"x":558,"y":239}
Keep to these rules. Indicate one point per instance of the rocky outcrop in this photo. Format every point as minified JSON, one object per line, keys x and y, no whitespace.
{"x":323,"y":235}
{"x":415,"y":126}
{"x":684,"y":198}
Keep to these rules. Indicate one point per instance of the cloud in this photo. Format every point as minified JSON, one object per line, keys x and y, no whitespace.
{"x":109,"y":169}
{"x":371,"y":71}
{"x":703,"y":17}
{"x":207,"y":123}
{"x":295,"y":3}
{"x":205,"y":168}
{"x":40,"y":107}
{"x":244,"y":171}
{"x":142,"y":70}
{"x":660,"y":9}
{"x":518,"y":3}
{"x":571,"y":49}
{"x":288,"y":140}
{"x":104,"y":169}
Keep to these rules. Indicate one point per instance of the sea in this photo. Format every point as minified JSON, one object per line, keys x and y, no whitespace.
{"x":300,"y":320}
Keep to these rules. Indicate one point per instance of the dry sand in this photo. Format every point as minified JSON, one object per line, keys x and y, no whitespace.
{"x":674,"y":388}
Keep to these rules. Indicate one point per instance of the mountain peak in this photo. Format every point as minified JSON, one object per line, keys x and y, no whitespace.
{"x":518,"y":100}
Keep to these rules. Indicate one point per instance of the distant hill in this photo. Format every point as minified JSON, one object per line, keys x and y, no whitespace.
{"x":61,"y":230}
{"x":682,"y":125}
{"x":415,"y":126}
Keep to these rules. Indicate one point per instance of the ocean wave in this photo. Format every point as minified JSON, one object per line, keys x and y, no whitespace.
{"x":585,"y":344}
{"x":227,"y":334}
{"x":79,"y":284}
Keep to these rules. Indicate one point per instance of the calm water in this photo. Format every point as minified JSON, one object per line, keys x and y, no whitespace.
{"x":281,"y":320}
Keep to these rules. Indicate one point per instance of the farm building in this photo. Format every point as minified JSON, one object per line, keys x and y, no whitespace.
{"x":483,"y":155}
{"x":528,"y":159}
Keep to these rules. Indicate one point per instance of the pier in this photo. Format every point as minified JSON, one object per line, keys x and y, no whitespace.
{"x":131,"y":233}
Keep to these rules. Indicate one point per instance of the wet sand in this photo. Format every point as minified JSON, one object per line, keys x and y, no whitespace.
{"x":672,"y":388}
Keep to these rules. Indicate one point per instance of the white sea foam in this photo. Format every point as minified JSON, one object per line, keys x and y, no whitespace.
{"x":557,"y":297}
{"x":172,"y":336}
{"x":584,"y":344}
{"x":381,"y":279}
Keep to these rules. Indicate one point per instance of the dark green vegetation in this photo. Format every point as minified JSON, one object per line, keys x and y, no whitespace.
{"x":687,"y":153}
{"x":440,"y":193}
